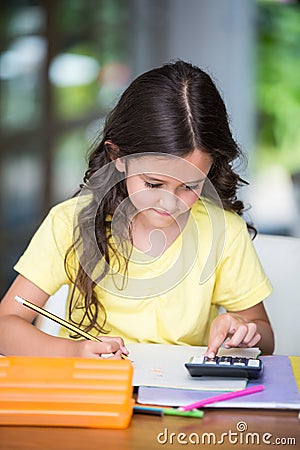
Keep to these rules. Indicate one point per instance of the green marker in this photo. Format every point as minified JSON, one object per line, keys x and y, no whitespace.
{"x":157,"y":411}
{"x":175,"y":412}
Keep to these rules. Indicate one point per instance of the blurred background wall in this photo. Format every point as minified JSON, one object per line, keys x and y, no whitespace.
{"x":63,"y":64}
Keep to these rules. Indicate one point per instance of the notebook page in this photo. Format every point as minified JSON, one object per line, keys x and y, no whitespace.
{"x":162,"y":365}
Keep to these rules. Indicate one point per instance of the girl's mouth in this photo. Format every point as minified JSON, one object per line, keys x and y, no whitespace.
{"x":162,"y":213}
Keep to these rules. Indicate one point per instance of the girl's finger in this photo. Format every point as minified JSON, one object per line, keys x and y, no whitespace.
{"x":255,"y":340}
{"x":117,"y":339}
{"x":238,"y":337}
{"x":252,"y":329}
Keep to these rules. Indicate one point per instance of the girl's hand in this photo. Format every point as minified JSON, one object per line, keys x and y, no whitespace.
{"x":108,"y":345}
{"x":240,"y":331}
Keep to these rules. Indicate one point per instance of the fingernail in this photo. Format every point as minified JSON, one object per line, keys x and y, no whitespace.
{"x":211,"y":355}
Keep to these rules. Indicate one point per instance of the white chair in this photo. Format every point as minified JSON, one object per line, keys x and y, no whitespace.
{"x":280,"y":257}
{"x":57,"y":305}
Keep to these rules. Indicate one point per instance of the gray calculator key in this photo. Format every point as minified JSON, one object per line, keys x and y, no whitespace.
{"x":253,"y":363}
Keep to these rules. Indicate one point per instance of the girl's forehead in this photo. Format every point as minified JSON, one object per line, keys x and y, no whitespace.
{"x":193,"y":167}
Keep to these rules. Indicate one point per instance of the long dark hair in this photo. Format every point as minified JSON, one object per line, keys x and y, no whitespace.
{"x":173,"y":109}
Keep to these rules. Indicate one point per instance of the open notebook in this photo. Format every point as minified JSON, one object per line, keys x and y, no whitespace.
{"x":162,"y":365}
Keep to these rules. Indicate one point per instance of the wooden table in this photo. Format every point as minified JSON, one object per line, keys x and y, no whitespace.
{"x":146,"y":431}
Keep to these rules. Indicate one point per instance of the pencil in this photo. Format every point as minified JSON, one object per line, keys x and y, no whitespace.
{"x":69,"y":326}
{"x":222,"y":397}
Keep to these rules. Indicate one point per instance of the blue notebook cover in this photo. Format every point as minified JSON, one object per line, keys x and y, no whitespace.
{"x":281,"y":390}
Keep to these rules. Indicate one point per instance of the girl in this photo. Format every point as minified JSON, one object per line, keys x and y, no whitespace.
{"x":153,"y":243}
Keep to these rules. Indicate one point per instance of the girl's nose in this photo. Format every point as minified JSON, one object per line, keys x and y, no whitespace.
{"x":168,"y":201}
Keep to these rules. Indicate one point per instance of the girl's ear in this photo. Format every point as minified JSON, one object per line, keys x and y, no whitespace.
{"x":120,"y":164}
{"x":114,"y":151}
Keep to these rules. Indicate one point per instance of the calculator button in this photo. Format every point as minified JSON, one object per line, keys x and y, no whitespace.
{"x":210,"y":361}
{"x":253,"y":363}
{"x":239,"y":361}
{"x":225,"y":360}
{"x":197,"y":360}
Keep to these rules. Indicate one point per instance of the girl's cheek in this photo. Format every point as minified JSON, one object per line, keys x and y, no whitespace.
{"x":190,"y":198}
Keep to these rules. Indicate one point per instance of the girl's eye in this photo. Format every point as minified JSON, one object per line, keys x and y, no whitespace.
{"x":152,"y":185}
{"x":192,"y":188}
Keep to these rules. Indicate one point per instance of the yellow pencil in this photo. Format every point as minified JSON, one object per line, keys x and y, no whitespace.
{"x":59,"y":320}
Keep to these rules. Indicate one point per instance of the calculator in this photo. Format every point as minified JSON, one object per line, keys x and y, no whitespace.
{"x":225,"y":366}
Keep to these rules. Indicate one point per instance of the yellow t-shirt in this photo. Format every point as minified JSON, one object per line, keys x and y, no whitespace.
{"x":168,"y":299}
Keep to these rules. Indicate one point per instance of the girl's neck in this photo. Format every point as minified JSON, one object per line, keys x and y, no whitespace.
{"x":154,"y":241}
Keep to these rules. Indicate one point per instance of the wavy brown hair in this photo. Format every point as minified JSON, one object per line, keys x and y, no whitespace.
{"x":172,"y":110}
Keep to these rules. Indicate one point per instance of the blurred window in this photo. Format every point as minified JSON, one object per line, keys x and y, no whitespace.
{"x":276,"y":162}
{"x":63,"y":64}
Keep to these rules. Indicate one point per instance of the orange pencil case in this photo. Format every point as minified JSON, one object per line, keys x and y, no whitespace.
{"x":72,"y":392}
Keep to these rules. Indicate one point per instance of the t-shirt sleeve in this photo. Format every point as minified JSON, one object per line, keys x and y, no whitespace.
{"x":240,"y":279}
{"x":43,"y":260}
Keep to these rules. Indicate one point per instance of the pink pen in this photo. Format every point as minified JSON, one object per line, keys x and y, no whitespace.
{"x":222,"y":397}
